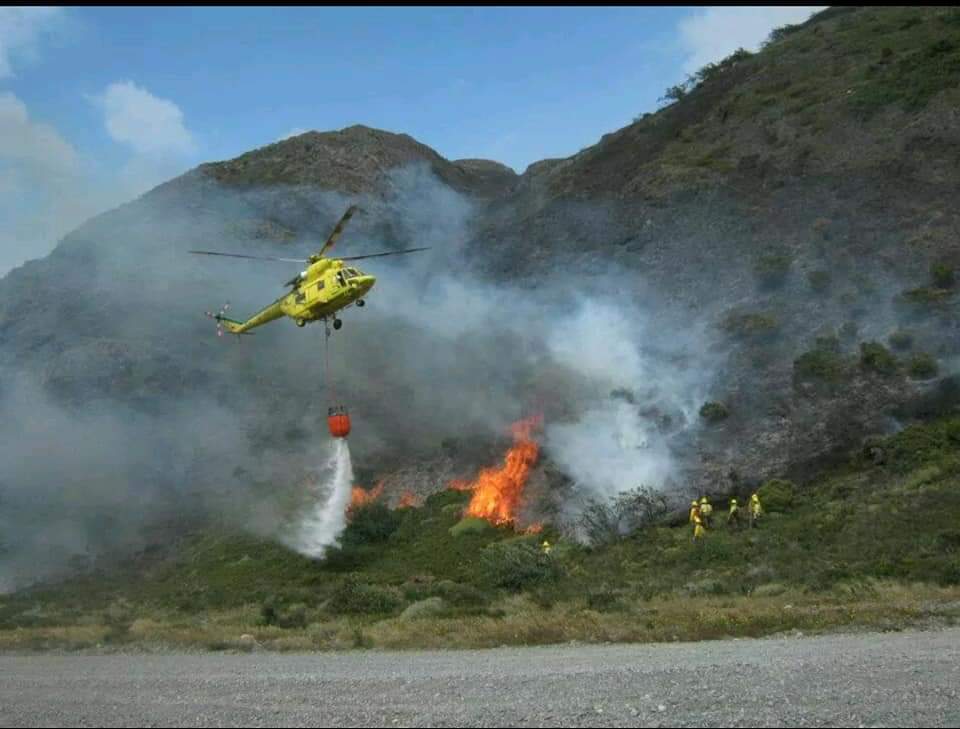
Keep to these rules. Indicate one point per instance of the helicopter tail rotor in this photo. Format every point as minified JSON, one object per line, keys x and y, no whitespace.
{"x":223,"y":322}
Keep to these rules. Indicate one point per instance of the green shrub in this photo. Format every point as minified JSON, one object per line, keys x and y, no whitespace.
{"x":771,"y":269}
{"x":942,"y":275}
{"x":707,"y":73}
{"x":470,"y":525}
{"x":338,"y":559}
{"x":750,"y":325}
{"x":925,"y":296}
{"x":778,"y":34}
{"x":370,"y":523}
{"x":459,"y":595}
{"x":769,"y":589}
{"x":819,"y":280}
{"x":268,"y":614}
{"x":714,"y":412}
{"x":674,"y":93}
{"x":874,"y":357}
{"x":824,"y":364}
{"x":353,"y":597}
{"x":432,"y":607}
{"x":715,"y":70}
{"x":603,"y":600}
{"x":776,"y":495}
{"x":706,"y":586}
{"x":923,"y":366}
{"x":908,"y":23}
{"x":901,"y":339}
{"x":517,"y":565}
{"x":293,"y":617}
{"x":949,"y":540}
{"x":951,"y":18}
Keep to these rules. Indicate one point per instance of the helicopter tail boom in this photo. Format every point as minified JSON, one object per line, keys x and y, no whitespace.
{"x":231,"y":325}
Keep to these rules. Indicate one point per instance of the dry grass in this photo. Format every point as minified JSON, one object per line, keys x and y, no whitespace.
{"x":518,"y":620}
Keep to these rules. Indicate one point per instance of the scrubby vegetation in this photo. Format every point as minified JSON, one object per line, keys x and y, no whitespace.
{"x":871,"y":543}
{"x":776,"y":495}
{"x":901,"y":339}
{"x":823,"y":363}
{"x":923,"y":300}
{"x":942,"y":275}
{"x":923,"y":366}
{"x":772,"y":269}
{"x":714,"y":412}
{"x":924,"y":61}
{"x":874,"y":357}
{"x":517,"y":564}
{"x":607,"y":521}
{"x":757,"y":326}
{"x":706,"y":74}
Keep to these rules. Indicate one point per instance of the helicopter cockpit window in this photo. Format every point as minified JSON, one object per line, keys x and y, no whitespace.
{"x":351,"y":273}
{"x":320,"y":285}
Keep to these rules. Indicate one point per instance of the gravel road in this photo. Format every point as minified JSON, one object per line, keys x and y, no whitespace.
{"x":910,"y":678}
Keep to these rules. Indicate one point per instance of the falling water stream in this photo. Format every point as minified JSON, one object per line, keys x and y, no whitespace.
{"x":325,"y":520}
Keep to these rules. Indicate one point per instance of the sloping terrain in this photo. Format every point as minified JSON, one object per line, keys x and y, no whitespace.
{"x":873,"y":543}
{"x":782,"y":238}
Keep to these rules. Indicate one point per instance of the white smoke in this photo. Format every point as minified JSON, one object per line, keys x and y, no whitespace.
{"x":322,"y":525}
{"x":611,"y":449}
{"x":645,"y":379}
{"x":599,"y":341}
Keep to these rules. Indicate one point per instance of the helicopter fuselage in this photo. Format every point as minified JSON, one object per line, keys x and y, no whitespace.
{"x":324,"y":288}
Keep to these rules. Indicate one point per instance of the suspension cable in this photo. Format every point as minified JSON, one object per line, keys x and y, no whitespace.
{"x":326,"y":366}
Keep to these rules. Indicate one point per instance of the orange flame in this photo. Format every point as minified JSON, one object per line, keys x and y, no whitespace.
{"x":407,"y":500}
{"x":497,"y":492}
{"x":359,"y":496}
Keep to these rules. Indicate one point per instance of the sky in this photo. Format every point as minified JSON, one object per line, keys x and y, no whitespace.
{"x":98,"y":105}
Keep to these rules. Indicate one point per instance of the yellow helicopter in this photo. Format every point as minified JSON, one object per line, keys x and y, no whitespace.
{"x":322,"y":289}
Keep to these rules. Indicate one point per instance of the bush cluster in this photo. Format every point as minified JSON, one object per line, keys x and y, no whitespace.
{"x":874,"y":357}
{"x":515,"y":565}
{"x":714,"y":412}
{"x":923,"y":366}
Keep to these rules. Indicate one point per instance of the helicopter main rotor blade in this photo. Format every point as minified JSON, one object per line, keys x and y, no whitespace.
{"x":338,"y":230}
{"x":256,"y":258}
{"x":388,"y":253}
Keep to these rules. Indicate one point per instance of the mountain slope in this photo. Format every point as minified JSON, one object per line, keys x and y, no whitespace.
{"x":760,"y":237}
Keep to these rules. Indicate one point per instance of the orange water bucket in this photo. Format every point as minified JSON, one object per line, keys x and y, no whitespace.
{"x":338,"y":420}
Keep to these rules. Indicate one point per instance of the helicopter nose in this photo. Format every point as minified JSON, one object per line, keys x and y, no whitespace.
{"x":366,"y":281}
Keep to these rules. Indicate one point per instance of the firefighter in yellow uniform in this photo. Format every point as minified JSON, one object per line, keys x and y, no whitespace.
{"x":699,"y":531}
{"x":755,"y":509}
{"x":694,"y":508}
{"x":706,"y":511}
{"x":733,"y":516}
{"x":546,"y":547}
